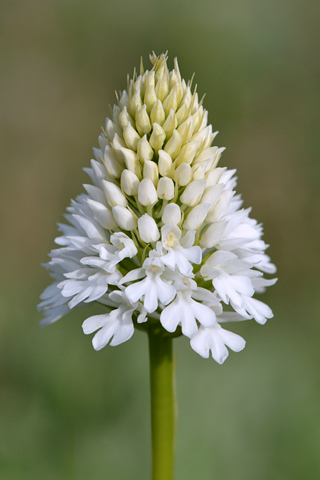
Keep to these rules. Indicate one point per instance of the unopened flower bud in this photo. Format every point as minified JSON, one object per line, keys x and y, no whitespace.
{"x":174,"y":144}
{"x":157,"y":138}
{"x":150,"y":170}
{"x":142,"y":121}
{"x":170,"y":124}
{"x":165,"y":188}
{"x":193,"y":192}
{"x":113,"y":166}
{"x":171,"y":214}
{"x":114,"y":195}
{"x":147,"y":194}
{"x":131,"y":137}
{"x":124,"y":218}
{"x":145,"y":152}
{"x":129,"y":182}
{"x":157,"y":113}
{"x":148,"y":229}
{"x":164,"y":163}
{"x":182,"y":175}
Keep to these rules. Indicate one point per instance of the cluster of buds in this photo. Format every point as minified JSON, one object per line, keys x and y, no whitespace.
{"x":160,"y":237}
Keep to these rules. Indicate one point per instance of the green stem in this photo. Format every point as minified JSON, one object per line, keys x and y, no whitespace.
{"x":162,"y":405}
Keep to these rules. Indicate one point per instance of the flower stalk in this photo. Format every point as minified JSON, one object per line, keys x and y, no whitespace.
{"x":162,"y":387}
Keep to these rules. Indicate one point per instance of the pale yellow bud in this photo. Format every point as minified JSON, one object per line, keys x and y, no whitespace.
{"x":157,"y":138}
{"x":135,"y":102}
{"x":170,"y":124}
{"x":150,"y":98}
{"x":187,"y":153}
{"x":173,"y":99}
{"x":164,"y":163}
{"x":186,"y":130}
{"x":162,"y":87}
{"x":112,"y":129}
{"x":183,"y":174}
{"x":165,"y":188}
{"x":144,"y":150}
{"x":124,"y":118}
{"x":132,"y":161}
{"x":173,"y":145}
{"x":129,"y":182}
{"x":142,"y":121}
{"x":131,"y":137}
{"x":182,"y":114}
{"x":150,"y":170}
{"x":118,"y":144}
{"x":124,"y":100}
{"x":157,"y":113}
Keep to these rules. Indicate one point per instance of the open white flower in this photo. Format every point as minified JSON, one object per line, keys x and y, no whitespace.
{"x":160,"y":237}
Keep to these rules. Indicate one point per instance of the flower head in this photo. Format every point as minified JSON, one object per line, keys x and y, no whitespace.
{"x":160,"y":236}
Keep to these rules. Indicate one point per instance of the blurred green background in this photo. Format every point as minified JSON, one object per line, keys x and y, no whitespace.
{"x":68,"y":412}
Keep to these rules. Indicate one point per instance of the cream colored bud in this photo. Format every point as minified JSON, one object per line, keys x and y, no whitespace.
{"x":164,"y":163}
{"x":173,"y":79}
{"x":171,"y":214}
{"x":144,"y":150}
{"x":162,"y":87}
{"x":170,"y":124}
{"x":135,"y":102}
{"x":165,"y":188}
{"x":118,"y":144}
{"x":113,"y":194}
{"x":124,"y":118}
{"x":150,"y":80}
{"x":183,"y":174}
{"x":157,"y":138}
{"x":148,"y":229}
{"x":142,"y":121}
{"x":131,"y":160}
{"x":157,"y":114}
{"x":129,"y":182}
{"x":173,"y":146}
{"x":113,"y":166}
{"x":187,"y":153}
{"x":173,"y":99}
{"x":131,"y":137}
{"x":150,"y":170}
{"x":147,"y":194}
{"x":196,"y":217}
{"x":112,"y":129}
{"x":193,"y":192}
{"x":150,"y":98}
{"x":124,"y":218}
{"x":186,"y":130}
{"x":182,"y":114}
{"x":124,"y":99}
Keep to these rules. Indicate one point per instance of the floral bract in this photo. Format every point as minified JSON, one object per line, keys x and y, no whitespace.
{"x":160,"y":235}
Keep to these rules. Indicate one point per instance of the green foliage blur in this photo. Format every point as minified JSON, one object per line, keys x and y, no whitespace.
{"x":68,"y":412}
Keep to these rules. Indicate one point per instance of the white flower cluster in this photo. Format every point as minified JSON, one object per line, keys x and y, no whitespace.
{"x":159,"y":237}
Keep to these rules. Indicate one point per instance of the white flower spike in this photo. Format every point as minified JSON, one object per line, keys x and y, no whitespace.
{"x":160,"y":237}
